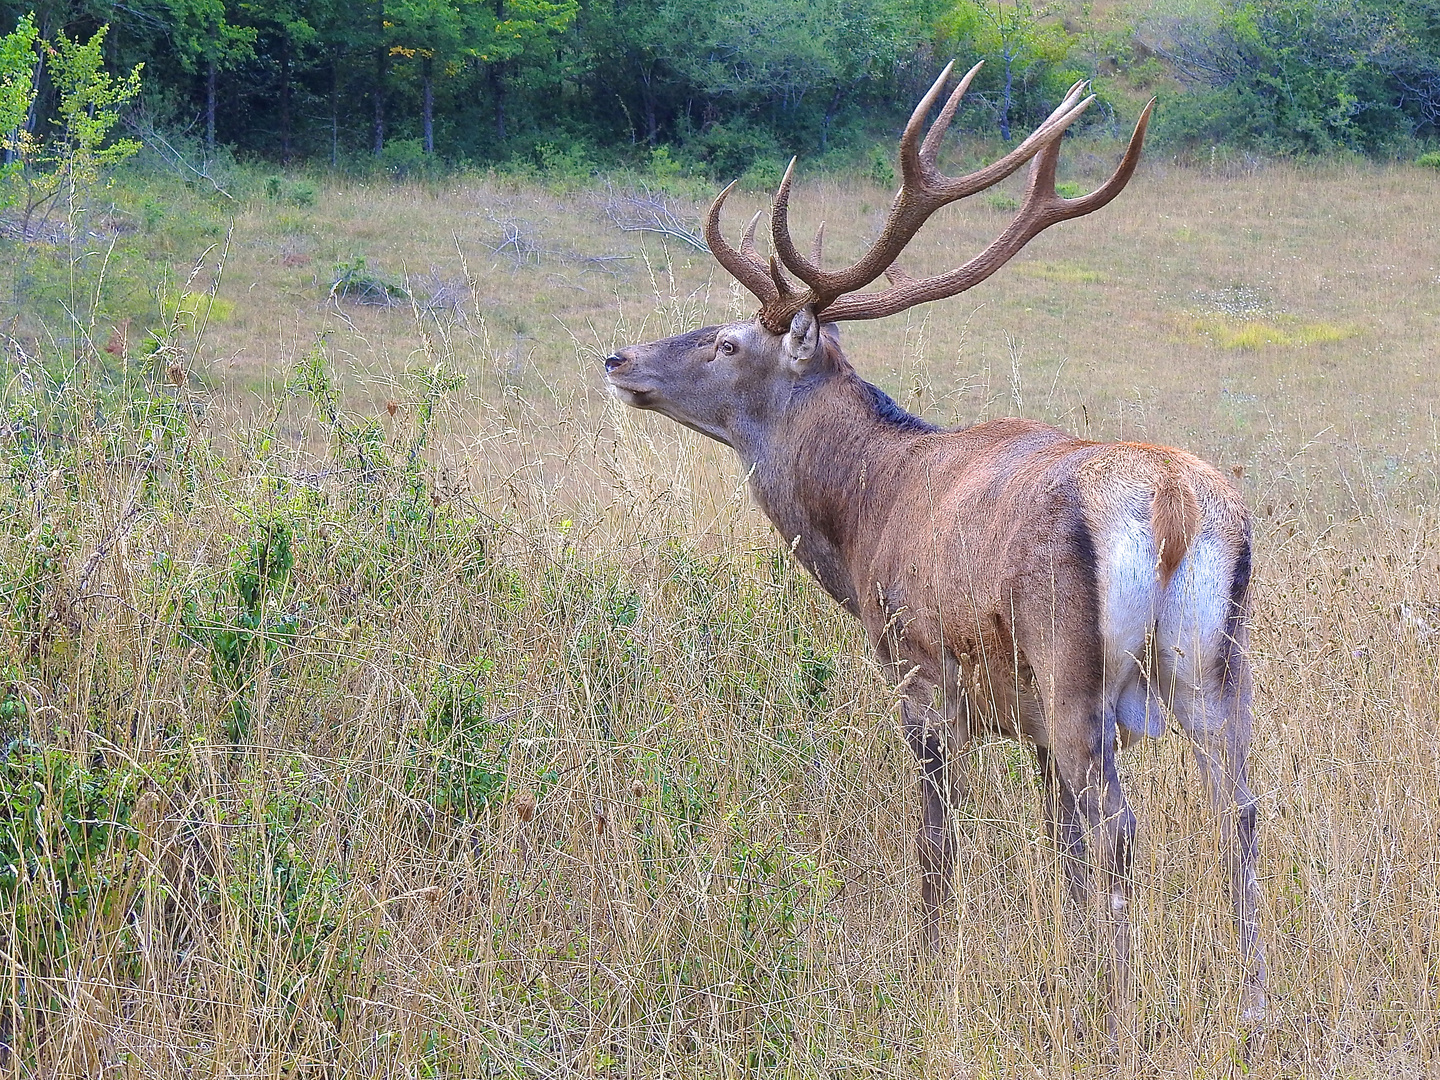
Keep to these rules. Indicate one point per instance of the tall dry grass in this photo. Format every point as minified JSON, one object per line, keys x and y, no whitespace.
{"x":498,"y":736}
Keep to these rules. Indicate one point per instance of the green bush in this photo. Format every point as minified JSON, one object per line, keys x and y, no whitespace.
{"x":357,"y":283}
{"x":1299,"y":77}
{"x":1430,"y":160}
{"x":881,"y":170}
{"x":563,"y":160}
{"x":296,"y":192}
{"x":246,"y":623}
{"x":730,"y":150}
{"x":64,"y":825}
{"x":406,"y":159}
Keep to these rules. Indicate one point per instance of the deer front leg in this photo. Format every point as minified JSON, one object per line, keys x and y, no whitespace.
{"x":925,"y":732}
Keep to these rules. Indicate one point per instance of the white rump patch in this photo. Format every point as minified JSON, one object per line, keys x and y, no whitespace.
{"x":1130,"y":596}
{"x":1192,"y":626}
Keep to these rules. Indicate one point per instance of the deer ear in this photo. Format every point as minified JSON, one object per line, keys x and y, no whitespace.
{"x":802,"y":340}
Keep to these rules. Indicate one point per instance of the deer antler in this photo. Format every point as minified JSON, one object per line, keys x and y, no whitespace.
{"x":1041,"y":208}
{"x":745,"y":265}
{"x":923,"y":190}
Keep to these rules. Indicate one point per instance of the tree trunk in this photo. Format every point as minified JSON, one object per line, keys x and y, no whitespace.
{"x":429,"y":104}
{"x":382,"y":67}
{"x":31,"y":114}
{"x":647,"y":95}
{"x":335,"y":113}
{"x":1005,"y":104}
{"x":285,"y":100}
{"x":830,"y":111}
{"x":497,"y":90}
{"x":210,"y":106}
{"x":497,"y":81}
{"x":379,"y":119}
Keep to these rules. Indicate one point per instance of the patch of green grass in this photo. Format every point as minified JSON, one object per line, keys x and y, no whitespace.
{"x":191,"y":310}
{"x":1063,"y":273}
{"x":1249,"y":334}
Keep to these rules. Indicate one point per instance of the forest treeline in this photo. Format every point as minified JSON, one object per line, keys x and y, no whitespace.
{"x":723,"y":85}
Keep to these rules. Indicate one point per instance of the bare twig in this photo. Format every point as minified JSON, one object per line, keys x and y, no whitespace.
{"x":648,"y":211}
{"x":517,"y":240}
{"x":144,"y":129}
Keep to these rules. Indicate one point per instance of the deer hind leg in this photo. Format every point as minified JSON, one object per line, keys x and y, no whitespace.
{"x":927,"y":733}
{"x":1205,"y":673}
{"x":1062,"y":822}
{"x":1082,"y":758}
{"x":1217,"y":719}
{"x":1111,"y":824}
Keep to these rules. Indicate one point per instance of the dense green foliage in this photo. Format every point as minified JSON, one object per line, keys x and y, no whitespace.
{"x":716,"y":86}
{"x":1307,"y":76}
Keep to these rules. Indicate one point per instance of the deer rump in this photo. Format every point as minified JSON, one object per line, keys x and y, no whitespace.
{"x":1114,"y":550}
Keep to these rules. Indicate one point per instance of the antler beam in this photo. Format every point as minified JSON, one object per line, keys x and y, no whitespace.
{"x":923,"y":190}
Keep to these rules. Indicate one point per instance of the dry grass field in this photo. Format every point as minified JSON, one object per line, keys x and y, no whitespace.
{"x":368,"y":720}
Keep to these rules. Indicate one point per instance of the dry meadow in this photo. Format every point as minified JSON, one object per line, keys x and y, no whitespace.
{"x":386,"y":701}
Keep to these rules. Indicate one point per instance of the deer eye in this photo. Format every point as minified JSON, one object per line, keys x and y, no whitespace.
{"x":727,"y":348}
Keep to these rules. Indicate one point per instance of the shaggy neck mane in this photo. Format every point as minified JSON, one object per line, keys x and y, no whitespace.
{"x":887,"y":412}
{"x":879,"y":404}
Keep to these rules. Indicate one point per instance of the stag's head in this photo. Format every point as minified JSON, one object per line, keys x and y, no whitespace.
{"x":731,"y":381}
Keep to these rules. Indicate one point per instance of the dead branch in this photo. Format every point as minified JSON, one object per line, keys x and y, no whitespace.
{"x":648,"y":211}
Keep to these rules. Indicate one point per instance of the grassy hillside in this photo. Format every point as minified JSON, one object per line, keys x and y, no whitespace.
{"x":380,"y":698}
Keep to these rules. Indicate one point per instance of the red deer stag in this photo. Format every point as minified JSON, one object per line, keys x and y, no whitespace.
{"x":1011,"y":578}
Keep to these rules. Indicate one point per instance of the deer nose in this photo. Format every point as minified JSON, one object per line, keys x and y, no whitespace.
{"x":613,"y":361}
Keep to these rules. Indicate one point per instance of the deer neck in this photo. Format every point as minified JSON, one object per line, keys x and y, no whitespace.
{"x":823,"y":475}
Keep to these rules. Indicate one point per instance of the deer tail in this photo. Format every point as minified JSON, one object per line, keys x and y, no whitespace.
{"x":1175,"y":518}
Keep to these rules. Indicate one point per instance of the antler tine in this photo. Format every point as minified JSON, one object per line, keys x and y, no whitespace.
{"x":787,"y":293}
{"x":946,"y":189}
{"x":1087,"y":204}
{"x":1042,"y":208}
{"x":745,"y":265}
{"x":826,"y":287}
{"x":747,"y":239}
{"x":817,"y":245}
{"x":910,"y":150}
{"x":923,"y":190}
{"x":780,"y":212}
{"x":931,"y":146}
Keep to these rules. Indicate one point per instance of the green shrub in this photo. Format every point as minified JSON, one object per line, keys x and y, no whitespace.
{"x":296,"y":192}
{"x":1430,"y":160}
{"x":732,"y":149}
{"x":357,"y":283}
{"x":245,"y":624}
{"x":406,"y":159}
{"x":1297,"y":77}
{"x":667,"y":174}
{"x":64,"y":827}
{"x":881,"y":171}
{"x":563,"y":160}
